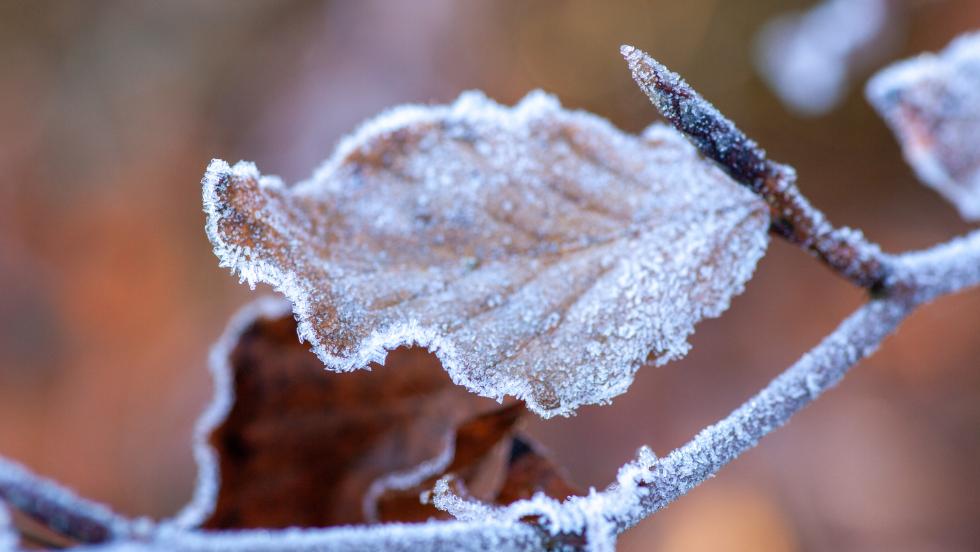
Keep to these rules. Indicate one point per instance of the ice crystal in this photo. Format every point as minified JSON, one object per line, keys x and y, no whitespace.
{"x":932,"y":103}
{"x":808,"y":58}
{"x":539,"y":252}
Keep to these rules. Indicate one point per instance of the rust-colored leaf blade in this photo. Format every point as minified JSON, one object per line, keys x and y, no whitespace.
{"x":540,"y":253}
{"x":298,"y":446}
{"x":529,"y":472}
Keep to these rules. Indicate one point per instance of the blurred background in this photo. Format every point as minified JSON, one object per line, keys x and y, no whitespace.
{"x":110,"y":296}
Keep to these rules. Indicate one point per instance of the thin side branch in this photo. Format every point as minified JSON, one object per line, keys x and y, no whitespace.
{"x":57,"y":508}
{"x":844,"y":250}
{"x":816,"y":372}
{"x":921,"y":277}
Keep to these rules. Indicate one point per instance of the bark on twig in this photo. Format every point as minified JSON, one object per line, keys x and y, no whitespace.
{"x":844,"y":250}
{"x":58,"y":508}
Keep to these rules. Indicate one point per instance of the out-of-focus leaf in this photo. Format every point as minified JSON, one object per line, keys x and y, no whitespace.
{"x":809,"y":58}
{"x":540,"y":253}
{"x":932,"y":104}
{"x":301,"y":446}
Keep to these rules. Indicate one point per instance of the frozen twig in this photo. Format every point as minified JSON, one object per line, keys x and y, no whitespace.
{"x":920,"y":277}
{"x":8,"y":535}
{"x":58,"y":508}
{"x":844,"y":250}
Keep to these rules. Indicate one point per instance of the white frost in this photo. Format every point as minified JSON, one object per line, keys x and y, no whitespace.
{"x":438,"y":536}
{"x":808,"y":58}
{"x":8,"y":533}
{"x":596,"y":515}
{"x":406,"y":479}
{"x":540,"y":253}
{"x":932,"y":104}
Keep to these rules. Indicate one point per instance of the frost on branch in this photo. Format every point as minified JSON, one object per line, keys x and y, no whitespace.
{"x":932,"y":103}
{"x":540,"y":253}
{"x":809,"y":58}
{"x":8,"y":534}
{"x":59,"y":510}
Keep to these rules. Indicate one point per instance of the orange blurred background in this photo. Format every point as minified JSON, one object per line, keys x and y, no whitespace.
{"x":110,"y":296}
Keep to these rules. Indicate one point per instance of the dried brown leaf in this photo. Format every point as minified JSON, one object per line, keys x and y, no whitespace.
{"x":529,"y":472}
{"x":301,"y":446}
{"x":540,"y":253}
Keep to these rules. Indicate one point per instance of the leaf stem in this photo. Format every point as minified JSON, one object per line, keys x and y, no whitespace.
{"x":844,"y":250}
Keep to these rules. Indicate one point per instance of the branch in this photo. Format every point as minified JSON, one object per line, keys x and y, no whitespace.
{"x":947,"y":268}
{"x":57,"y":508}
{"x":844,"y":250}
{"x":816,"y":372}
{"x":925,"y":275}
{"x":434,"y":536}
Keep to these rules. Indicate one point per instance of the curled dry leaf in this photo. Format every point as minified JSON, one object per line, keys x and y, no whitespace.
{"x":300,"y":446}
{"x":932,"y":104}
{"x":540,"y":253}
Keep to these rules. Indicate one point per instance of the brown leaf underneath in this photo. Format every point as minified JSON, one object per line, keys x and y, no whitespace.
{"x":301,"y":446}
{"x":472,"y":460}
{"x":530,"y":472}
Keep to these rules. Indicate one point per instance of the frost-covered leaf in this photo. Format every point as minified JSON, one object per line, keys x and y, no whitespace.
{"x":932,"y":104}
{"x":809,"y":58}
{"x":299,"y":446}
{"x":540,"y":253}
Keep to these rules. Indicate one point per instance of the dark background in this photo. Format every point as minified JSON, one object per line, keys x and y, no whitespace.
{"x":110,"y":296}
